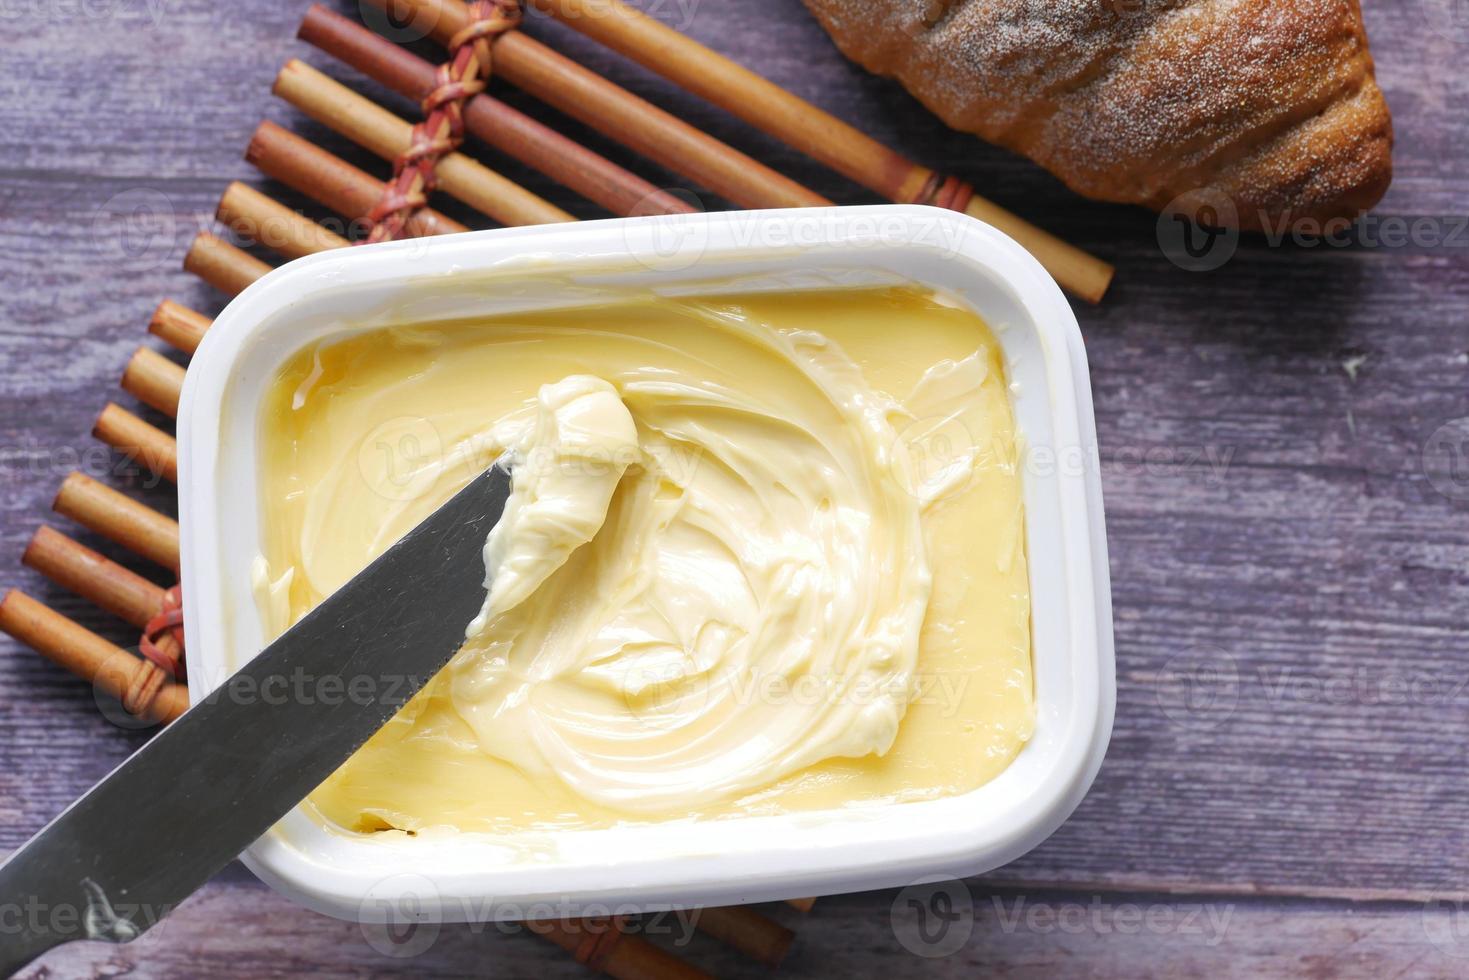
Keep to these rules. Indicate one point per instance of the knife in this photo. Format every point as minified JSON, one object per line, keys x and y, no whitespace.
{"x":202,"y":790}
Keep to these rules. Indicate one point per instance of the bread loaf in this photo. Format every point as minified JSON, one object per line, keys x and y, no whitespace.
{"x":1271,"y":105}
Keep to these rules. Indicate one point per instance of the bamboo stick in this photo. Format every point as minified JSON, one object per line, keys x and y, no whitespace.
{"x":620,"y":115}
{"x":222,"y":265}
{"x":801,"y":904}
{"x":798,"y":123}
{"x":154,"y":380}
{"x":84,"y":653}
{"x":624,"y":957}
{"x":168,"y":392}
{"x":506,"y":129}
{"x":252,"y":216}
{"x":138,"y":440}
{"x":110,"y":586}
{"x":330,"y":180}
{"x":757,"y":936}
{"x":136,"y":527}
{"x":178,"y":326}
{"x":99,"y":580}
{"x":376,"y":129}
{"x":751,"y":97}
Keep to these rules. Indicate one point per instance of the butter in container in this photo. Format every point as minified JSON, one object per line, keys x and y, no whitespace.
{"x":830,"y":610}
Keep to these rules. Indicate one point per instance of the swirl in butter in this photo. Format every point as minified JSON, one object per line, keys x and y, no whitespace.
{"x":750,"y":543}
{"x":714,"y":580}
{"x":567,"y":466}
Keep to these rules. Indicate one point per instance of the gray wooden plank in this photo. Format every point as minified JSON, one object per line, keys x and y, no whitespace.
{"x":237,"y":927}
{"x":1275,"y":505}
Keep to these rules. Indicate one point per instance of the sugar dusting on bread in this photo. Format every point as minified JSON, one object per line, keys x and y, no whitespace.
{"x":1142,"y":100}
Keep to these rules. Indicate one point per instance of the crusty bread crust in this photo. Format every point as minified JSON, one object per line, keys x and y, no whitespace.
{"x":1272,"y":103}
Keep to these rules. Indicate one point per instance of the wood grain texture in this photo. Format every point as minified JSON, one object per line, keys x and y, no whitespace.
{"x":994,"y":932}
{"x":1289,"y":547}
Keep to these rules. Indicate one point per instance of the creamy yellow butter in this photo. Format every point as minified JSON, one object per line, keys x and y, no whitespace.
{"x":763,"y":554}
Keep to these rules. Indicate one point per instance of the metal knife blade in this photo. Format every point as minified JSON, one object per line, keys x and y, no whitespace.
{"x":182,"y":807}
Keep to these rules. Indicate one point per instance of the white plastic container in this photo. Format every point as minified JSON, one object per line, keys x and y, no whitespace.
{"x":455,"y":877}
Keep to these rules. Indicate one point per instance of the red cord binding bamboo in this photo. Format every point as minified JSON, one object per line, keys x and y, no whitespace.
{"x":618,"y":114}
{"x":330,"y":180}
{"x":463,"y":75}
{"x":506,"y":129}
{"x":87,"y":655}
{"x":376,"y":129}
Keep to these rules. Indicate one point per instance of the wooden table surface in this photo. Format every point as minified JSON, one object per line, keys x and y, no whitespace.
{"x":1282,"y":445}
